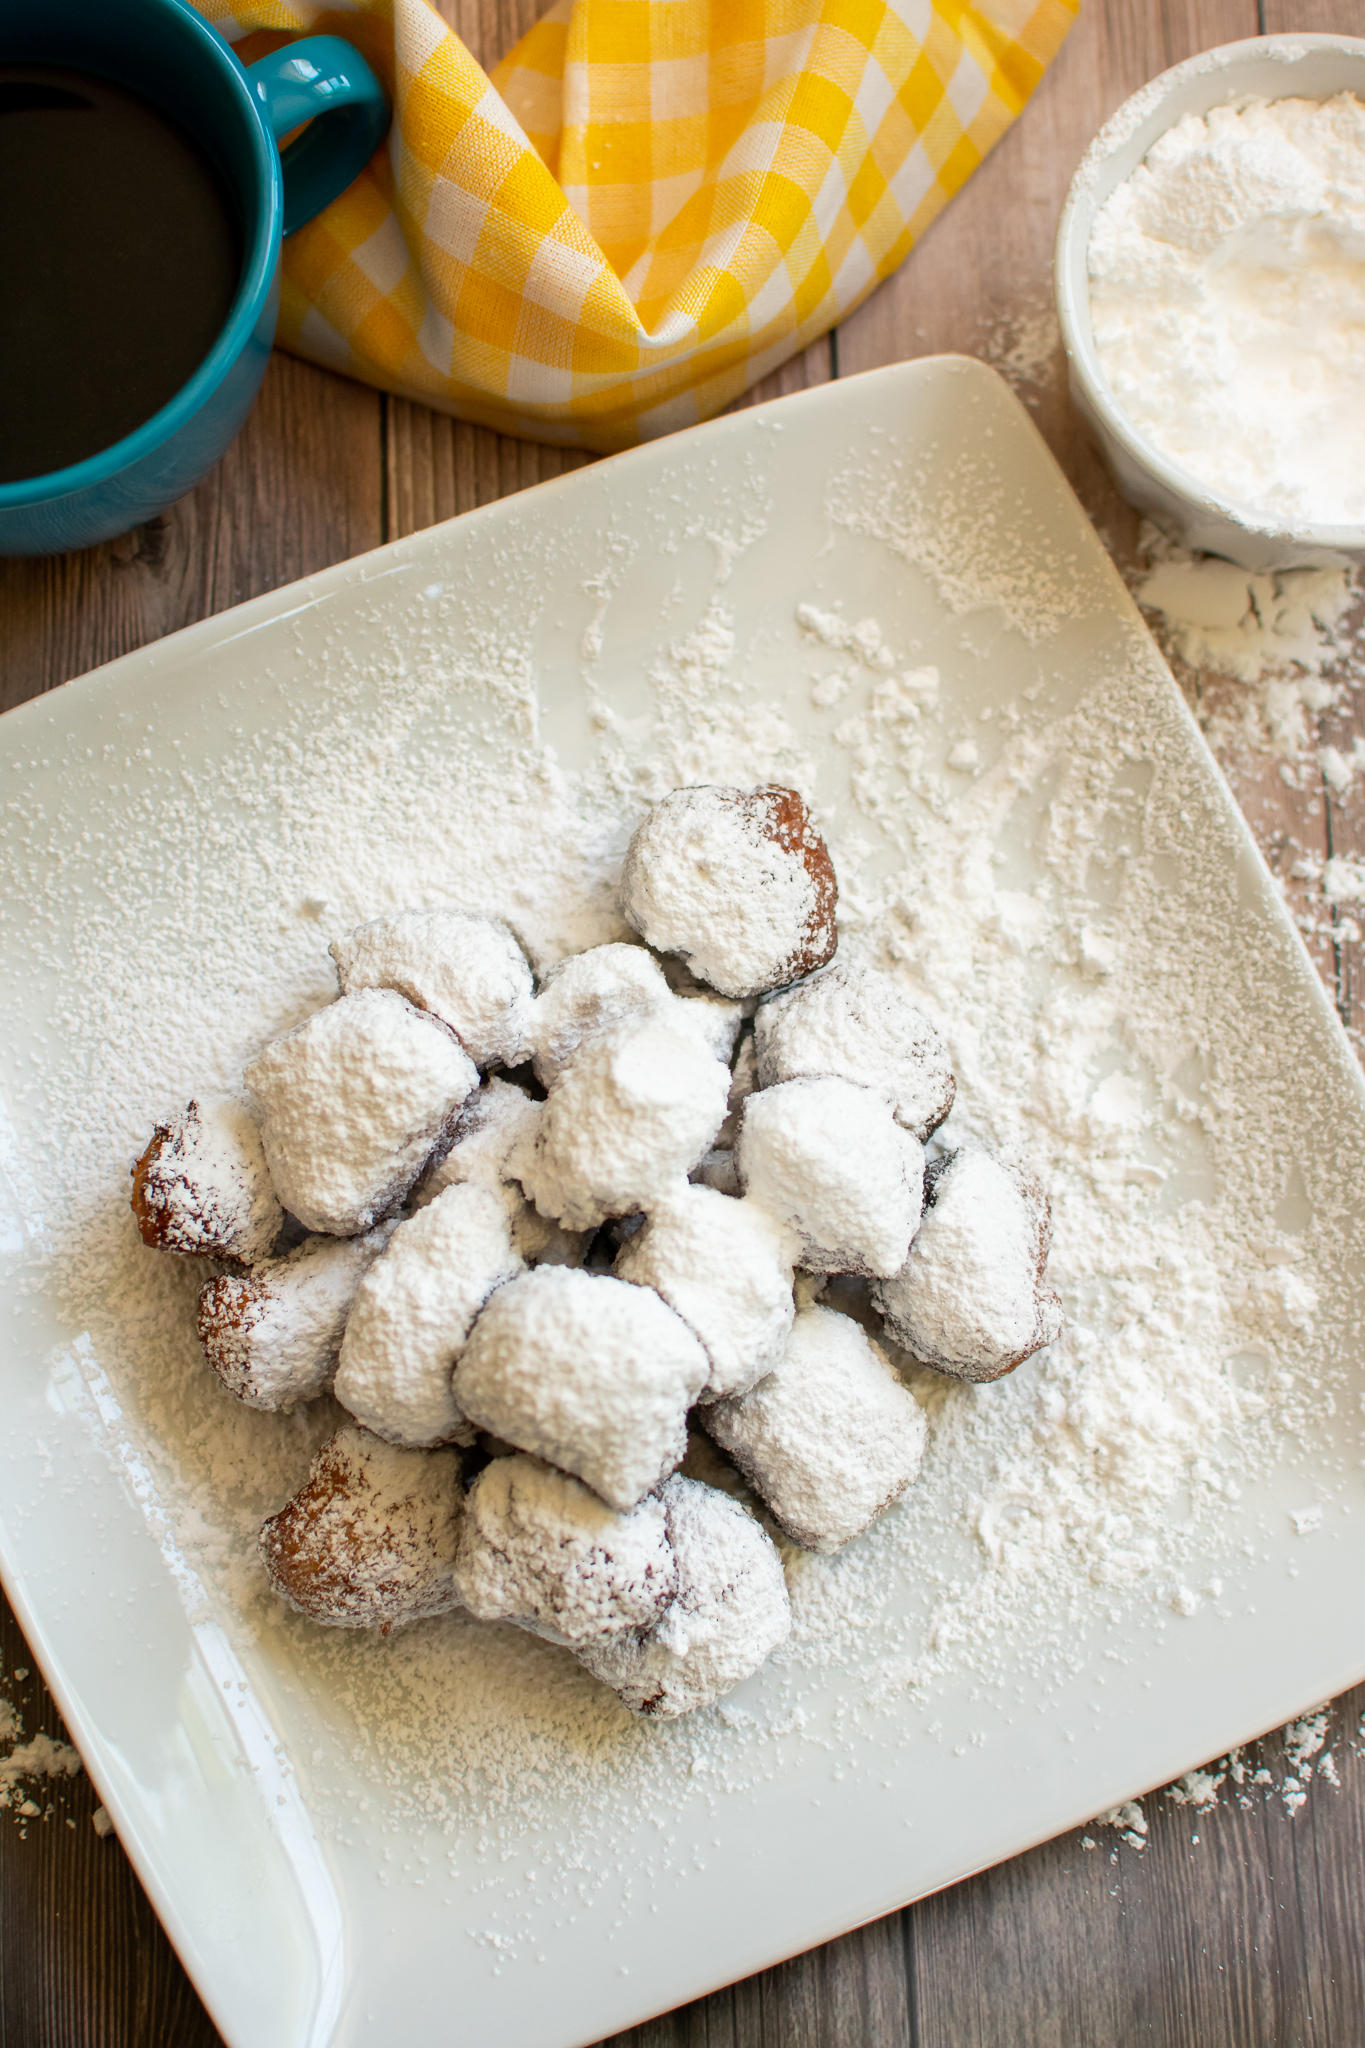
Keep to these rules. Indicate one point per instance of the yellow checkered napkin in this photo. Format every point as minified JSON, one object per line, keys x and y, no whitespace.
{"x":649,"y":205}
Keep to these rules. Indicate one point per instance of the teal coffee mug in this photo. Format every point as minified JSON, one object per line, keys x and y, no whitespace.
{"x":145,"y":203}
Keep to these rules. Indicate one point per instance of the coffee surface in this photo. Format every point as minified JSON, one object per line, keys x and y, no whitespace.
{"x":120,"y":252}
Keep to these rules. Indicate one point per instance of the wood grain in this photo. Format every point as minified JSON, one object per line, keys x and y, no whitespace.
{"x":1253,"y":1935}
{"x":1318,"y":17}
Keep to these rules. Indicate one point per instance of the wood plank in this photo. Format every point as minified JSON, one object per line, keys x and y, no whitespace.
{"x":815,"y":365}
{"x":1316,"y":17}
{"x":436,"y":467}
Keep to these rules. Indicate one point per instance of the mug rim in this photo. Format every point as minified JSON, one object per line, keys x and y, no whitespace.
{"x":233,"y":335}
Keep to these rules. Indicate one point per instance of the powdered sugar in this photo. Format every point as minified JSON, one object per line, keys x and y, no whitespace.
{"x":733,"y":882}
{"x":858,"y":1025}
{"x":273,"y":1336}
{"x":624,"y":1123}
{"x":539,"y":1547}
{"x":493,"y":1122}
{"x":592,"y":1375}
{"x":351,"y":1104}
{"x":1094,"y":981}
{"x":42,"y":1756}
{"x":1134,"y":1423}
{"x":202,"y":1186}
{"x":1255,"y":626}
{"x":725,"y":1266}
{"x":467,"y":970}
{"x":1303,"y":1757}
{"x":1226,"y":295}
{"x":730,"y":1612}
{"x":826,"y":1158}
{"x":830,"y":1438}
{"x":590,"y":992}
{"x":413,"y":1311}
{"x":970,"y":1298}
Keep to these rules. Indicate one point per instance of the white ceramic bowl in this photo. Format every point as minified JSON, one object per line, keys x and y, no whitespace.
{"x":1273,"y":67}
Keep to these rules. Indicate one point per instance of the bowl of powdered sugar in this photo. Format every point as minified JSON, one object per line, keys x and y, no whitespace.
{"x":1210,"y":277}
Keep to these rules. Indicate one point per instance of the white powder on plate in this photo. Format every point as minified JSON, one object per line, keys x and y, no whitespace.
{"x":1028,"y":913}
{"x":1227,"y":295}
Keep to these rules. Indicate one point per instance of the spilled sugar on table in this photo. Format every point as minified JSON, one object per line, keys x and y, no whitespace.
{"x":1236,"y":1924}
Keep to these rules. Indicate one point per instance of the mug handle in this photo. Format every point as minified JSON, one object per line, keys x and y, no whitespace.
{"x":324,"y":81}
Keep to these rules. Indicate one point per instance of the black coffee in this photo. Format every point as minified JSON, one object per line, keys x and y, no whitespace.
{"x":120,"y":254}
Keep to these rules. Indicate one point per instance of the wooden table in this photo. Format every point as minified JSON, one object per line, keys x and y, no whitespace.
{"x":1234,"y":1928}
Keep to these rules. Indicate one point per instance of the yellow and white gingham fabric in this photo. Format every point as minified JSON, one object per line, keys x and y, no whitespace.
{"x":649,"y":205}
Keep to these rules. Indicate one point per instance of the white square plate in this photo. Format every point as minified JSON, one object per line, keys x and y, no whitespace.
{"x":182,"y":833}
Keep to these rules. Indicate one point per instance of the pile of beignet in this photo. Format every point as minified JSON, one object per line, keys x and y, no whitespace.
{"x":527,"y":1233}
